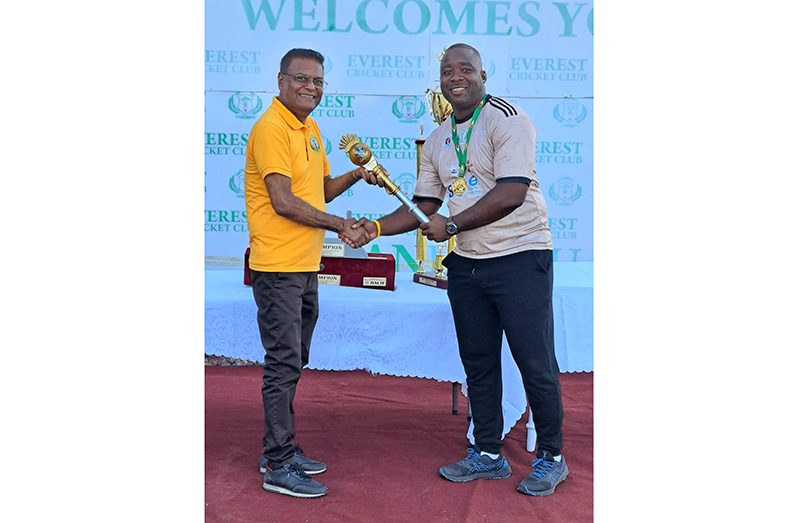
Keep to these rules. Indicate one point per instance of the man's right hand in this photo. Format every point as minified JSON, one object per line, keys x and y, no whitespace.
{"x":367,"y":225}
{"x":358,"y":233}
{"x":354,"y":237}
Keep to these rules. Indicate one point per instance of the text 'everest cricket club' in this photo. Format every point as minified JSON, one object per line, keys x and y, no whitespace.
{"x":226,"y":143}
{"x":548,"y":69}
{"x":558,"y":152}
{"x":390,"y":147}
{"x":225,"y":220}
{"x":385,"y":66}
{"x":230,"y":61}
{"x":382,"y":147}
{"x":335,"y":106}
{"x":412,"y":17}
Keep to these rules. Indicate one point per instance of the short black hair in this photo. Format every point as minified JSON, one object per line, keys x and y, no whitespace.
{"x":465,"y":46}
{"x":300,"y":53}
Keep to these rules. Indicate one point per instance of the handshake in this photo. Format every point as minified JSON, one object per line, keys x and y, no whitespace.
{"x":357,"y":233}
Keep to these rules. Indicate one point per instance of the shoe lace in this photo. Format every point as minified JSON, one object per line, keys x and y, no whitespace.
{"x":294,"y":470}
{"x":472,"y":457}
{"x":541,"y":467}
{"x":475,"y":463}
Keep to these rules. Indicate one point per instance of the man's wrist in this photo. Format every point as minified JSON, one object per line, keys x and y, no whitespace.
{"x":451,"y":227}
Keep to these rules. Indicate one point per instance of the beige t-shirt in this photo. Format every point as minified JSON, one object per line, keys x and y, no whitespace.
{"x":502,"y":146}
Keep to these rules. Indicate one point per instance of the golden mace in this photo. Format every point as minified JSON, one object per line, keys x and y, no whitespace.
{"x":360,"y":154}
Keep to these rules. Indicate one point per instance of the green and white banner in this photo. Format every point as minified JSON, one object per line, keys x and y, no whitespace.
{"x":380,"y":58}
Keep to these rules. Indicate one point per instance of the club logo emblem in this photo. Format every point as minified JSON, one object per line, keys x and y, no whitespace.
{"x":245,"y":105}
{"x":237,"y":183}
{"x":565,"y":191}
{"x":408,"y":109}
{"x":406,"y":182}
{"x":570,"y":112}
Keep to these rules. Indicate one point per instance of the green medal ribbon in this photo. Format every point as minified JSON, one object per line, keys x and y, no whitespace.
{"x":461,"y":153}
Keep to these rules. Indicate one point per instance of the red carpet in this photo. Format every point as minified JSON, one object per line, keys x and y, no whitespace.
{"x":383,"y":439}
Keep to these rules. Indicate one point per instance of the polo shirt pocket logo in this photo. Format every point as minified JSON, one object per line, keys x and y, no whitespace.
{"x":314,"y":143}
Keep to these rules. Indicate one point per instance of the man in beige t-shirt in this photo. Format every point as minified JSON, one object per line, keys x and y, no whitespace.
{"x":500,"y":275}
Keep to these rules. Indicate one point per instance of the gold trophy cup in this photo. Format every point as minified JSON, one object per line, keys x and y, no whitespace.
{"x":440,"y":109}
{"x":439,"y":106}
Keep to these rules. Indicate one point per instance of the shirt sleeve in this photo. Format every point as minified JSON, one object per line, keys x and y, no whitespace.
{"x":514,"y":147}
{"x":271,"y":150}
{"x":327,"y":168}
{"x":428,"y":184}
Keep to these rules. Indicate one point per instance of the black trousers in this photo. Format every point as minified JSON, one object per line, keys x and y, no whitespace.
{"x":510,"y":294}
{"x":288,"y":307}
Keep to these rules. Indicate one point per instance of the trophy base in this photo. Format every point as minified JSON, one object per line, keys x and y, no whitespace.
{"x":375,"y":271}
{"x":430,"y":280}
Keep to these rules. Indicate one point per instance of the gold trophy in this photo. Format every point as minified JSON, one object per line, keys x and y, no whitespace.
{"x":440,"y":106}
{"x":421,"y":240}
{"x":440,"y":109}
{"x":360,"y":154}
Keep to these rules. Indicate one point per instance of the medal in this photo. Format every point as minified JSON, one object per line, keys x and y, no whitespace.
{"x":459,"y":187}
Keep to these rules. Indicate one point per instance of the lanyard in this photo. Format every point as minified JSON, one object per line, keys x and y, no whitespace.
{"x":461,"y":153}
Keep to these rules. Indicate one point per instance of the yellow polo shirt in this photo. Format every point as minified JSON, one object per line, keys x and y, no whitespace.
{"x":280,"y":143}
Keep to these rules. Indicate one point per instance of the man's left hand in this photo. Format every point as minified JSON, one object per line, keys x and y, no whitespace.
{"x":435,"y":230}
{"x":368,"y":176}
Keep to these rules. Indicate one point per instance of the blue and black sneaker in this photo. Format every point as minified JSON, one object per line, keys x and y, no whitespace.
{"x":307,"y":465}
{"x":291,"y":481}
{"x":545,"y":476}
{"x":476,"y":466}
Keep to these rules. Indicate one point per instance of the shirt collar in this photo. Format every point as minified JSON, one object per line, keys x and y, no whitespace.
{"x":467,"y":118}
{"x":287,"y":115}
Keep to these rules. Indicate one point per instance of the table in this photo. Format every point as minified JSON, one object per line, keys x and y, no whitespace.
{"x":406,"y":332}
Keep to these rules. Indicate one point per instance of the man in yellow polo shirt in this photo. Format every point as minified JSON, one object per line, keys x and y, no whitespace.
{"x":287,"y":183}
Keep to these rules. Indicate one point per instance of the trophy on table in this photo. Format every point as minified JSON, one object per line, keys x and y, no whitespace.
{"x":360,"y":154}
{"x":440,"y":109}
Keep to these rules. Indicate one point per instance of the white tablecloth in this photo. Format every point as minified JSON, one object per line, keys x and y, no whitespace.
{"x":406,"y":332}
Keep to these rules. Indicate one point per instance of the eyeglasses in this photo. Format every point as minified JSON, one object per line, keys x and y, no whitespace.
{"x":305,"y":79}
